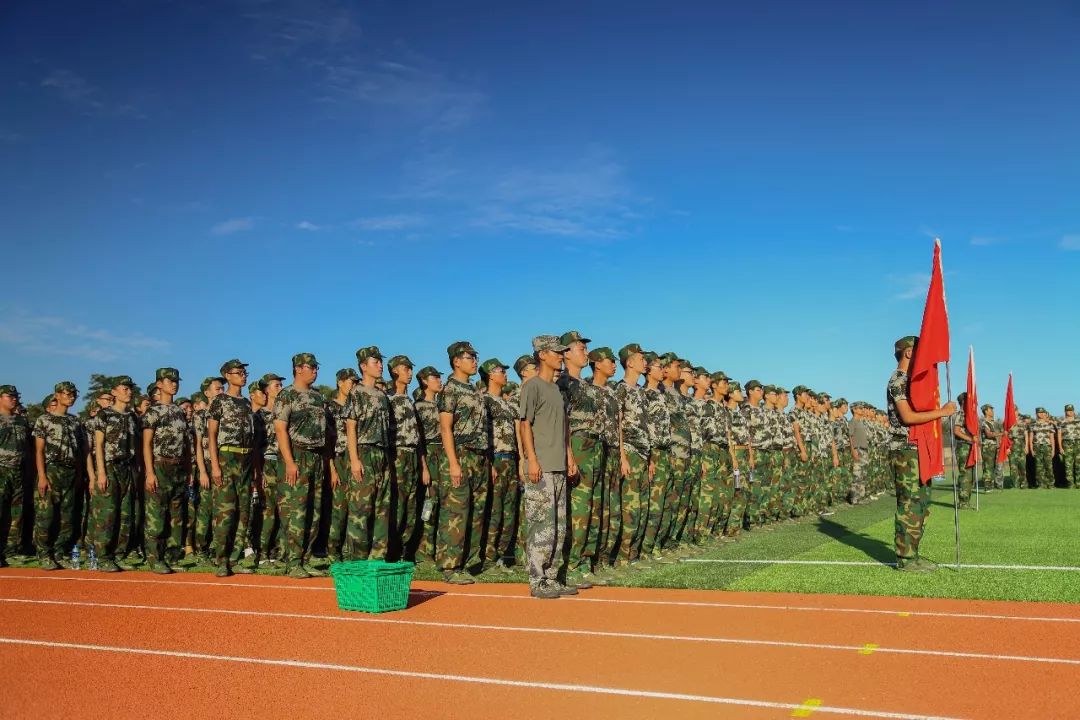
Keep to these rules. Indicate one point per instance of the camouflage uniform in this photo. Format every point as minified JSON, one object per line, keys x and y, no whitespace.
{"x":637,"y":438}
{"x":761,"y":476}
{"x":204,"y":497}
{"x":964,"y":449}
{"x":369,"y":523}
{"x":171,"y":465}
{"x":583,"y":403}
{"x":1043,"y":440}
{"x":232,"y":498}
{"x":912,"y":497}
{"x":65,"y":446}
{"x":267,"y":479}
{"x":339,"y":513}
{"x":823,"y":439}
{"x":112,"y":511}
{"x":787,"y":467}
{"x":428,"y":414}
{"x":991,"y":474}
{"x":845,"y":470}
{"x":681,"y":446}
{"x":14,"y":450}
{"x":1070,"y":446}
{"x":660,"y":439}
{"x":611,"y":516}
{"x":461,"y":509}
{"x":405,"y":439}
{"x":1018,"y":455}
{"x":861,"y":439}
{"x":805,"y":495}
{"x":305,"y":417}
{"x":690,"y":504}
{"x":739,"y":428}
{"x":502,"y":435}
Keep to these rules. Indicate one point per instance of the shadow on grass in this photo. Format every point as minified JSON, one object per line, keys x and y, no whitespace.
{"x":874,"y":548}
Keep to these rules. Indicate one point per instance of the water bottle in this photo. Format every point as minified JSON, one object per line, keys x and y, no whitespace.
{"x":429,"y":507}
{"x":255,"y":497}
{"x":93,"y":558}
{"x":75,"y":557}
{"x":737,"y":485}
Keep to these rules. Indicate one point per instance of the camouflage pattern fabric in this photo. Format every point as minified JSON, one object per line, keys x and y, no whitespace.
{"x":429,"y":530}
{"x":677,"y":411}
{"x":469,"y":409}
{"x":709,"y":503}
{"x":860,"y":471}
{"x":199,"y":421}
{"x":370,"y":409}
{"x":788,"y":487}
{"x":203,"y":530}
{"x":634,"y":411}
{"x":584,"y":405}
{"x":369,"y":521}
{"x":270,"y":445}
{"x":14,"y":441}
{"x":54,"y":521}
{"x":461,"y":511}
{"x":163,"y":509}
{"x":504,"y":490}
{"x":912,"y":502}
{"x":690,"y":501}
{"x":270,"y":523}
{"x":236,"y":472}
{"x":501,"y":428}
{"x":294,"y":500}
{"x":740,"y":490}
{"x":658,"y":419}
{"x":63,"y":436}
{"x":170,"y":430}
{"x":545,"y":514}
{"x":428,"y":413}
{"x":339,"y":509}
{"x":1044,"y":465}
{"x":236,"y":425}
{"x":611,"y":517}
{"x":586,"y":498}
{"x":11,"y":505}
{"x":673,"y":490}
{"x":305,"y":415}
{"x":990,"y":471}
{"x":110,"y":523}
{"x":404,"y":425}
{"x":1018,"y":455}
{"x":653,"y":512}
{"x":634,"y":503}
{"x":407,"y":483}
{"x":1070,"y":458}
{"x":897,"y":389}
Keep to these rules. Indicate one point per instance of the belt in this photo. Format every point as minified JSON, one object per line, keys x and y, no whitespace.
{"x":474,"y":451}
{"x":740,"y":447}
{"x":505,"y":455}
{"x":168,"y":460}
{"x":233,"y":449}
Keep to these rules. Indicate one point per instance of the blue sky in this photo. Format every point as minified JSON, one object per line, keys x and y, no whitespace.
{"x":755,"y":188}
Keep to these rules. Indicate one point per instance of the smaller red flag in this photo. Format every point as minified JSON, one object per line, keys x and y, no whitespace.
{"x":1010,"y":420}
{"x":971,"y":411}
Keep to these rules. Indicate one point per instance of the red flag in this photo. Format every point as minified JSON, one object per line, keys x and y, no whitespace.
{"x":971,"y":411}
{"x":924,"y":392}
{"x":1010,"y":419}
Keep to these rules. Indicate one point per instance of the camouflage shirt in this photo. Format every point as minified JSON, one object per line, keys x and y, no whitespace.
{"x":121,"y":434}
{"x":236,"y":422}
{"x":959,"y":420}
{"x":706,"y":413}
{"x":739,"y":424}
{"x":718,"y":421}
{"x":304,"y":414}
{"x":823,"y":436}
{"x":170,"y":429}
{"x":681,"y":441}
{"x":501,"y":428}
{"x":897,"y":389}
{"x":1043,"y":433}
{"x":609,"y":407}
{"x":1018,"y":435}
{"x":695,"y":410}
{"x":14,"y":440}
{"x":370,"y":408}
{"x":842,"y":437}
{"x":466,"y":404}
{"x":270,"y":447}
{"x":758,"y":421}
{"x":658,"y":419}
{"x":633,"y":406}
{"x":785,"y":423}
{"x":63,"y":436}
{"x":404,"y":426}
{"x":199,"y":421}
{"x":1070,"y":428}
{"x":428,"y":412}
{"x":341,"y":435}
{"x":583,"y":405}
{"x":89,"y":425}
{"x":986,"y":427}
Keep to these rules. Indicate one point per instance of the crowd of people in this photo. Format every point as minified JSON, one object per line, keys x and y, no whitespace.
{"x":579,"y":478}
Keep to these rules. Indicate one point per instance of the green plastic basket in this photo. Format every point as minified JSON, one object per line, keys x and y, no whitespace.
{"x":372,"y":586}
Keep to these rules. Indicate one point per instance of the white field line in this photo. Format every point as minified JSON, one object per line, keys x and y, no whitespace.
{"x":561,"y":687}
{"x":548,"y":631}
{"x":612,"y":601}
{"x":1054,"y":568}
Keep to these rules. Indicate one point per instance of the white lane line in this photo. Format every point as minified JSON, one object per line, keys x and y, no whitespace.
{"x":853,"y":563}
{"x":613,"y":601}
{"x":590,"y":689}
{"x":548,"y":631}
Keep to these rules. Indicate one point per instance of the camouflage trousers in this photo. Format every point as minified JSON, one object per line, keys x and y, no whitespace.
{"x":822,"y":481}
{"x":11,"y":505}
{"x":503,"y":494}
{"x":611,"y":516}
{"x":633,"y":506}
{"x":545,"y":513}
{"x":1044,"y":465}
{"x":673,"y":492}
{"x":845,"y":474}
{"x":992,"y":474}
{"x":1018,"y":466}
{"x":109,"y":525}
{"x":430,"y":528}
{"x":270,"y":522}
{"x":461,"y":511}
{"x":859,"y":470}
{"x":367,"y":529}
{"x":965,"y":476}
{"x":54,"y":521}
{"x":708,"y":499}
{"x":236,"y":471}
{"x":164,"y":510}
{"x":725,"y":491}
{"x":740,"y":494}
{"x":294,"y":505}
{"x":658,"y":492}
{"x":1070,"y":458}
{"x":406,"y":481}
{"x":203,"y":529}
{"x":689,"y":501}
{"x":912,"y":502}
{"x":586,"y":500}
{"x":788,"y":484}
{"x":339,"y":508}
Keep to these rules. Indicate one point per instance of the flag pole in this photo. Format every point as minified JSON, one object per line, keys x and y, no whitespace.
{"x":978,"y":433}
{"x":956,"y":466}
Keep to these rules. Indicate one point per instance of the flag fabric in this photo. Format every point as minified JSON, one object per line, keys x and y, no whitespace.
{"x":971,"y":411}
{"x":1007,"y":424}
{"x":924,"y":390}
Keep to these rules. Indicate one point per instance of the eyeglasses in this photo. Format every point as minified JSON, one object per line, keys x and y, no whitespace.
{"x":237,"y":372}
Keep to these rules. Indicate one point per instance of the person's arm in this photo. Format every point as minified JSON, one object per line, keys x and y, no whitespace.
{"x":533,"y":464}
{"x":292,"y":471}
{"x":624,"y":462}
{"x":215,"y":462}
{"x":148,"y":460}
{"x":910,"y":416}
{"x":99,"y":460}
{"x":520,"y":449}
{"x":446,"y":431}
{"x":200,"y":462}
{"x":571,"y":463}
{"x":39,"y":460}
{"x":961,"y":432}
{"x":799,"y":441}
{"x":1060,"y":447}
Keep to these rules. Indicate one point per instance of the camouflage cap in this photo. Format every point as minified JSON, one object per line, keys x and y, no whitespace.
{"x":1040,"y":410}
{"x":271,"y":377}
{"x":523,"y":362}
{"x":347,"y":374}
{"x":669,"y":357}
{"x":400,"y":360}
{"x":719,"y":376}
{"x":700,"y":371}
{"x":460,"y":347}
{"x":751,"y":384}
{"x":839,"y":402}
{"x":48,"y":400}
{"x":734,"y":386}
{"x":366,"y":353}
{"x":65,"y":386}
{"x":208,"y":381}
{"x":167,"y":374}
{"x":233,"y":364}
{"x":181,"y":400}
{"x":491,"y":364}
{"x":548,"y":342}
{"x":986,"y":407}
{"x":9,"y":390}
{"x":799,"y":390}
{"x":572,"y":336}
{"x":780,"y":390}
{"x":770,"y":389}
{"x":426,"y":372}
{"x":601,"y":353}
{"x":121,"y":380}
{"x":824,"y":396}
{"x":304,"y":358}
{"x":628,"y":350}
{"x":1067,"y":407}
{"x":256,"y":386}
{"x":905,"y":342}
{"x":199,"y":397}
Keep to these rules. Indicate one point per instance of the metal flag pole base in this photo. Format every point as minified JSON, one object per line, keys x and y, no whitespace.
{"x":956,"y":465}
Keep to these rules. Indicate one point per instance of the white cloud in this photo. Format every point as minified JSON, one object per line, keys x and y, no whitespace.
{"x":911,"y":286}
{"x":234,"y":225}
{"x":387,"y":222}
{"x":1070,"y":242}
{"x":982,"y":241}
{"x":80,"y":93}
{"x":50,"y":335}
{"x":310,"y":226}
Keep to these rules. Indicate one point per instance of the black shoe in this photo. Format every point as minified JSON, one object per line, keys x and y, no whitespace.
{"x":47,"y":563}
{"x":566,"y":589}
{"x":545,"y":592}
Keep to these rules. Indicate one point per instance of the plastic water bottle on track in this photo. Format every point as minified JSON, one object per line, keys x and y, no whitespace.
{"x":93,"y":558}
{"x":75,"y":557}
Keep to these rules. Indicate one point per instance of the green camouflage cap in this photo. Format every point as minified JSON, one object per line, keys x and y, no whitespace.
{"x":167,"y":374}
{"x":719,"y":376}
{"x":271,"y":377}
{"x":770,"y":389}
{"x":9,"y":390}
{"x":780,"y":389}
{"x":799,"y":390}
{"x":601,"y":353}
{"x":510,"y":387}
{"x":233,"y":364}
{"x":986,"y":407}
{"x":905,"y":342}
{"x":208,"y":381}
{"x":304,"y":358}
{"x":734,"y":386}
{"x":460,"y":347}
{"x":650,"y":357}
{"x":256,"y":386}
{"x":198,"y":397}
{"x":523,"y":362}
{"x":347,"y":374}
{"x":121,"y":380}
{"x":628,"y":350}
{"x":669,"y":357}
{"x":48,"y":399}
{"x":824,"y":396}
{"x":839,"y":403}
{"x":751,"y":384}
{"x":572,"y":336}
{"x":548,"y":342}
{"x":700,"y":371}
{"x":400,"y":360}
{"x":489,"y":365}
{"x":366,"y":353}
{"x":1067,"y":407}
{"x":426,"y":372}
{"x":65,"y":386}
{"x":1040,"y":410}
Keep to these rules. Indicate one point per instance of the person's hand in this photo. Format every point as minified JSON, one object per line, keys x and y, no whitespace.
{"x":151,"y":481}
{"x":204,"y":481}
{"x":425,"y":474}
{"x":803,"y":456}
{"x":215,"y":473}
{"x":42,"y":485}
{"x":652,"y":470}
{"x":534,"y":470}
{"x":334,"y":479}
{"x":102,"y":482}
{"x":356,"y":469}
{"x":455,"y":474}
{"x":948,"y":409}
{"x":624,"y":466}
{"x":292,"y":473}
{"x":571,"y":468}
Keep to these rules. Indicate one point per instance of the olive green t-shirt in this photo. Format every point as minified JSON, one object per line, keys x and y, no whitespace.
{"x":542,"y":407}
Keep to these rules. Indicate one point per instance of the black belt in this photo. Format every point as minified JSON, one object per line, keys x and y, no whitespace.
{"x":504,"y":455}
